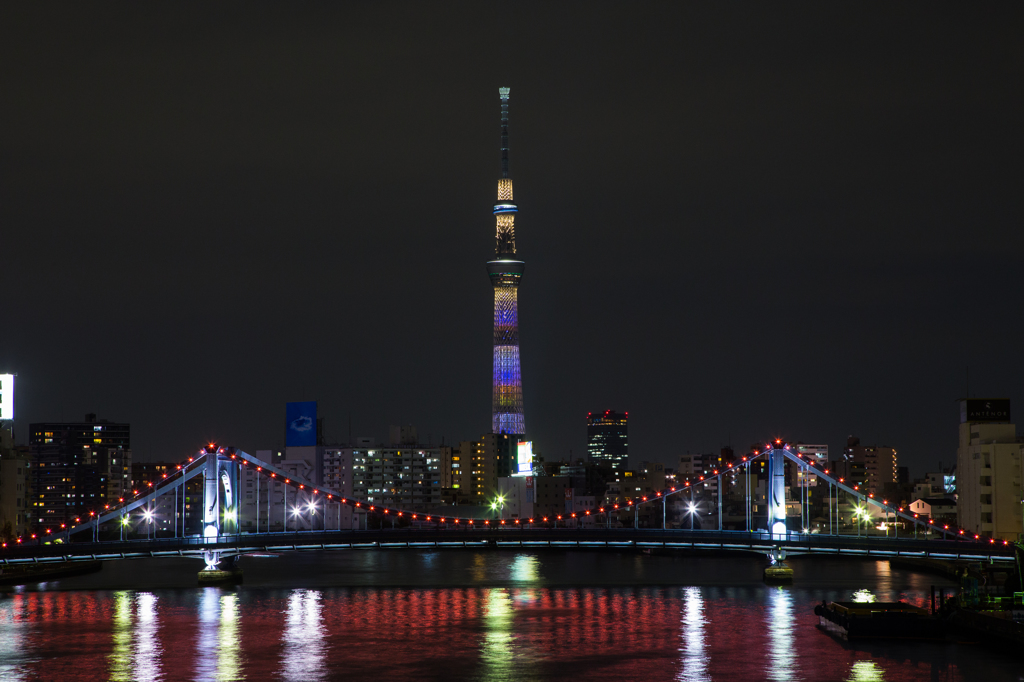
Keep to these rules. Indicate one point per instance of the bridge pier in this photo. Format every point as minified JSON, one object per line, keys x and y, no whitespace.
{"x":778,"y":572}
{"x":220,"y":571}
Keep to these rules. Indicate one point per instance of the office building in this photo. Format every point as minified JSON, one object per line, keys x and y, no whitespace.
{"x":403,"y":474}
{"x":608,"y":439}
{"x":988,"y":470}
{"x":76,"y":468}
{"x":15,"y":489}
{"x":471,"y":470}
{"x":869,"y":467}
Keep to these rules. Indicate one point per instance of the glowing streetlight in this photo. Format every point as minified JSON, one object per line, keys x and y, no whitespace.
{"x":147,"y":516}
{"x":498,"y":505}
{"x":311,"y":507}
{"x":859,"y":514}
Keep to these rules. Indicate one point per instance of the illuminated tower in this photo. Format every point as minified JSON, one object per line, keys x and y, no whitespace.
{"x":505,"y":271}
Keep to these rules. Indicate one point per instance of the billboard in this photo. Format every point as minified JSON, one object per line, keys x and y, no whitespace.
{"x":6,"y":396}
{"x":300,"y":420}
{"x":976,"y":410}
{"x":524,"y":459}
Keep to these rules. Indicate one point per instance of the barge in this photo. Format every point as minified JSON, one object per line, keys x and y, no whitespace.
{"x":878,"y":620}
{"x":37,"y":573}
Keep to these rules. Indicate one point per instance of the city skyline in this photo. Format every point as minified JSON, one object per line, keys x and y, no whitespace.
{"x":822,"y":208}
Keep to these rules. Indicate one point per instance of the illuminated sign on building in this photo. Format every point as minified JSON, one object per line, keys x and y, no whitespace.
{"x":524,"y":459}
{"x":973,"y":410}
{"x":6,"y":396}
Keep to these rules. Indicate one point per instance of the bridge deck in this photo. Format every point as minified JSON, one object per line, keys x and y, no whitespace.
{"x":497,"y":537}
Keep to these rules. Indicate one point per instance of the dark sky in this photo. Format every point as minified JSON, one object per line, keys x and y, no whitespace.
{"x":738,"y":222}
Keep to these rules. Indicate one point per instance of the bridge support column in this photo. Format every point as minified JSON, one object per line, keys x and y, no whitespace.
{"x":219,"y":570}
{"x":777,"y":494}
{"x":220,"y":513}
{"x":777,"y":572}
{"x":211,"y":501}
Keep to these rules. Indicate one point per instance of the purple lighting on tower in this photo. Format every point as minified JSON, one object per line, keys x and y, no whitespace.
{"x":505,"y":272}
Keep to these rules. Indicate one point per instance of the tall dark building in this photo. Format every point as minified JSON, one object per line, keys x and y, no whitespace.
{"x":608,"y":439}
{"x":505,"y":271}
{"x":77,"y":467}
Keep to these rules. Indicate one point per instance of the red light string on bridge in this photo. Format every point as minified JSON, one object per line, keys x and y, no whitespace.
{"x":630,"y":503}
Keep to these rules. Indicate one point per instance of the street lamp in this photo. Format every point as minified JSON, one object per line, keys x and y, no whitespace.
{"x":691,"y":509}
{"x":858,"y":514}
{"x":498,"y":505}
{"x":148,"y":515}
{"x":312,"y":516}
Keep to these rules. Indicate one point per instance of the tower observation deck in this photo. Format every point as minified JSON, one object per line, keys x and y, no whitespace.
{"x":505,"y":272}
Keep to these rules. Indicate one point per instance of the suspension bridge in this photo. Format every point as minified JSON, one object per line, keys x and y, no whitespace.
{"x":220,"y":537}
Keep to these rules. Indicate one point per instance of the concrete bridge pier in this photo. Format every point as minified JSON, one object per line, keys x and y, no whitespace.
{"x":777,"y":572}
{"x":220,"y":570}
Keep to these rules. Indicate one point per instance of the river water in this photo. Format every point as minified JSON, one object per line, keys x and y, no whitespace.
{"x":471,"y":615}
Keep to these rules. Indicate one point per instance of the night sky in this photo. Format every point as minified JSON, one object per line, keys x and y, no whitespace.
{"x":738,"y":222}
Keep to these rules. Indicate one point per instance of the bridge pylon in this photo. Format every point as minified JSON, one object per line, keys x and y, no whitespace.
{"x":220,"y":511}
{"x":777,"y":489}
{"x":777,"y":572}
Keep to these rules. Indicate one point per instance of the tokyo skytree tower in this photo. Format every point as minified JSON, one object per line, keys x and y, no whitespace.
{"x":505,"y":271}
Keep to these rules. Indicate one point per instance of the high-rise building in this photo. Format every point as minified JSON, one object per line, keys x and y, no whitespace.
{"x":165,"y":509}
{"x":77,"y":467}
{"x":988,"y":470}
{"x":404,"y":474}
{"x":608,"y":439}
{"x":868,"y":467}
{"x":472,"y":469}
{"x":15,"y":490}
{"x":505,"y":272}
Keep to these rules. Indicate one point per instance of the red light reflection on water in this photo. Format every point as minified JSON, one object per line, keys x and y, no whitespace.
{"x":647,"y":633}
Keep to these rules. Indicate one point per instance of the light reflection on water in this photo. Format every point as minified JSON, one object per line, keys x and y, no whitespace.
{"x":694,"y":663}
{"x":496,"y":653}
{"x":227,"y":639}
{"x":207,"y":640}
{"x":865,"y":671}
{"x":121,"y":651}
{"x":782,"y":663}
{"x":520,"y":624}
{"x":146,"y":659}
{"x":10,"y":640}
{"x":304,"y":653}
{"x":524,"y":568}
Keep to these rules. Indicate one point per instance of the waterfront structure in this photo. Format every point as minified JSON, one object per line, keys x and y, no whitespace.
{"x":77,"y":466}
{"x":608,"y":439}
{"x":988,"y":471}
{"x":506,"y":271}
